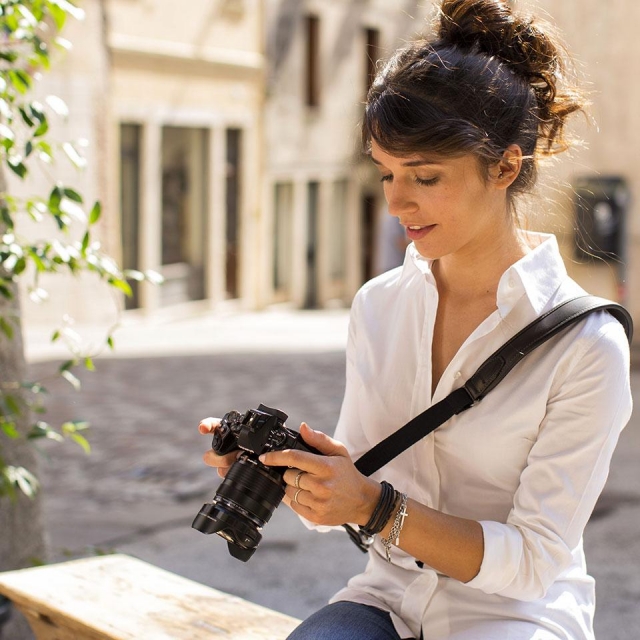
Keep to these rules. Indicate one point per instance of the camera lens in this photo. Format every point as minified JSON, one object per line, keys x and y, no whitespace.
{"x":244,"y":502}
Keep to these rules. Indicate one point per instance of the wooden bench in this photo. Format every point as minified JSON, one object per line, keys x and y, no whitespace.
{"x":122,"y":598}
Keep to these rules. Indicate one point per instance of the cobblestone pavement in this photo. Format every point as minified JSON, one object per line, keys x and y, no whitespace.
{"x":144,"y":481}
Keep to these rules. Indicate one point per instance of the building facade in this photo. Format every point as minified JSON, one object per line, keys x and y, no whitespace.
{"x":225,"y":145}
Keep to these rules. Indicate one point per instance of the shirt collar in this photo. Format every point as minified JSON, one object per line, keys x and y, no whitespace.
{"x":537,"y":275}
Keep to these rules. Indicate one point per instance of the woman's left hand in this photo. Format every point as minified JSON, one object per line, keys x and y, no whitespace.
{"x":327,"y":489}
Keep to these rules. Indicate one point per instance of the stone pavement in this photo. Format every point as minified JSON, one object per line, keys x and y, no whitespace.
{"x":144,"y":481}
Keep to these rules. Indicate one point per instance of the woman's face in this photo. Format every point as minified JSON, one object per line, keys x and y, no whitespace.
{"x":445,"y":204}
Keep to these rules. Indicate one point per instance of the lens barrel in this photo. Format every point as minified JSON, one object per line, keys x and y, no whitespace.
{"x":243,"y":504}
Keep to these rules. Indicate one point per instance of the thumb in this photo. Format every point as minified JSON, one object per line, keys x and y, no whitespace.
{"x":322,"y":442}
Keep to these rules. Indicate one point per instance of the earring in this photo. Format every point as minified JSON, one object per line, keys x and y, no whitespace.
{"x":500,"y":175}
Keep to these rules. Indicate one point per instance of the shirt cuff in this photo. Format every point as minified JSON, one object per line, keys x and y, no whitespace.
{"x":503,"y":547}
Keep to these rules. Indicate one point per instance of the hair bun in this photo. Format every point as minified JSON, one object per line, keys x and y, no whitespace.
{"x":490,"y":27}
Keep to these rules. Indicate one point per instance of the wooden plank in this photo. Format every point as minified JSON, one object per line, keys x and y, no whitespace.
{"x":117,"y":597}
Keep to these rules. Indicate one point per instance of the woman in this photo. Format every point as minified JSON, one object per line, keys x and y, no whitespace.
{"x":478,"y":528}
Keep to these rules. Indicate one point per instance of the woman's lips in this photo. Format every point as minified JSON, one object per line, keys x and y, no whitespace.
{"x":415,"y":232}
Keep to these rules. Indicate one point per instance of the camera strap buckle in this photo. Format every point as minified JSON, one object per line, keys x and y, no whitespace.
{"x":360,"y":539}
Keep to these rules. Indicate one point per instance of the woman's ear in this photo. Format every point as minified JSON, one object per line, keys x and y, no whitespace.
{"x":504,"y":172}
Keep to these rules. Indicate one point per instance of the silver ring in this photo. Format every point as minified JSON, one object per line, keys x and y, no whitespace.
{"x":296,"y":482}
{"x":295,"y":498}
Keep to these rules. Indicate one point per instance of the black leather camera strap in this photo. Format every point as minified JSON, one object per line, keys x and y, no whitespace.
{"x":489,"y":374}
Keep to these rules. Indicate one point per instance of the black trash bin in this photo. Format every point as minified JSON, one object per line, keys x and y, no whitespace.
{"x":601,"y":208}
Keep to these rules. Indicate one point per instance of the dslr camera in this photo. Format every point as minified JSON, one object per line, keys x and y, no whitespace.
{"x":251,"y":491}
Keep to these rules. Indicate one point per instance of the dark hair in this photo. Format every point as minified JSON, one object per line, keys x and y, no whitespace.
{"x":487,"y":80}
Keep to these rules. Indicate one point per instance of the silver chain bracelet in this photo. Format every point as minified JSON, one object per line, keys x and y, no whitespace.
{"x":398,"y":523}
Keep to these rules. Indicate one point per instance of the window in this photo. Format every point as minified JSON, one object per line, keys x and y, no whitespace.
{"x":233,"y":205}
{"x":283,"y":238}
{"x":372,"y":55}
{"x":130,"y":141}
{"x":339,"y":228}
{"x":312,"y":66}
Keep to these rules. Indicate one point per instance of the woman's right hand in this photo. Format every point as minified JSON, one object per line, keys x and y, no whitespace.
{"x":211,"y":458}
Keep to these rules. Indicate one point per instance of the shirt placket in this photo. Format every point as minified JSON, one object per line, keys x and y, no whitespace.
{"x":424,"y":473}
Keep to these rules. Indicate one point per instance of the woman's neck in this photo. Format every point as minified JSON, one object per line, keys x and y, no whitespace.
{"x":476,"y":272}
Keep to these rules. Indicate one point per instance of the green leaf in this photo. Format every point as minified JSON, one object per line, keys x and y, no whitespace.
{"x":96,"y":212}
{"x":37,"y":260}
{"x":6,"y":328}
{"x":59,"y":16}
{"x":68,"y":8}
{"x":55,"y":198}
{"x":73,"y":210}
{"x":5,"y":292}
{"x":72,"y":195}
{"x":28,"y":16}
{"x":43,"y":430}
{"x":123,"y":285}
{"x":153,"y":277}
{"x":34,"y":387}
{"x":6,"y":133}
{"x":111,"y":343}
{"x":74,"y":156}
{"x":42,"y":128}
{"x":25,"y":116}
{"x":133,"y":274}
{"x":22,"y":479}
{"x":16,"y":165}
{"x":66,"y":366}
{"x":55,"y":336}
{"x":58,"y":105}
{"x":88,"y":364}
{"x":20,"y":80}
{"x":71,"y":379}
{"x":6,"y":217}
{"x":5,"y":109}
{"x":45,"y":152}
{"x":9,"y":56}
{"x":82,"y":441}
{"x":9,"y":429}
{"x":13,"y":404}
{"x":85,"y":243}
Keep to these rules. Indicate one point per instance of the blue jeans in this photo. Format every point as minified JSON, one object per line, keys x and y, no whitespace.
{"x":346,"y":621}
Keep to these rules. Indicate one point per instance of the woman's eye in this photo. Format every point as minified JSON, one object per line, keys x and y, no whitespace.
{"x":426,"y":182}
{"x":386,"y":178}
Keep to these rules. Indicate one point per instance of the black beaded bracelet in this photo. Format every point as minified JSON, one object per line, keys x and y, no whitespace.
{"x":382,"y":511}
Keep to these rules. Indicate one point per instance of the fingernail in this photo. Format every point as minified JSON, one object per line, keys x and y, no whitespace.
{"x":262,"y":458}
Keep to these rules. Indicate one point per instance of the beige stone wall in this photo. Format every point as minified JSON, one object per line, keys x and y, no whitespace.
{"x":602,"y":37}
{"x":155,"y":63}
{"x":321,"y":144}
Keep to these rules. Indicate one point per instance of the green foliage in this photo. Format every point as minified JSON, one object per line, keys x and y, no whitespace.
{"x":29,"y":36}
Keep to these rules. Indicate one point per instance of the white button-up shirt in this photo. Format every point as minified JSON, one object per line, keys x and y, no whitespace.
{"x":528,"y":462}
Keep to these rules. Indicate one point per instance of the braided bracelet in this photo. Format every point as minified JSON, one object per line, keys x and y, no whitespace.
{"x":396,"y":528}
{"x":382,"y":511}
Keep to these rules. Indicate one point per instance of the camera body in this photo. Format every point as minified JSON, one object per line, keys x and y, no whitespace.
{"x":251,"y":491}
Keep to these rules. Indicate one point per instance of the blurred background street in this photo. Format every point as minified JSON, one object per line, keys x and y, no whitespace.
{"x":144,"y":481}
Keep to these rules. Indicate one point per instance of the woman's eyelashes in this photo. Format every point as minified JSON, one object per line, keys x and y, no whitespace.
{"x":424,"y":182}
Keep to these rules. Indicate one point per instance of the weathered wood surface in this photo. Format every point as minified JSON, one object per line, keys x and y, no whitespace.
{"x":117,"y":597}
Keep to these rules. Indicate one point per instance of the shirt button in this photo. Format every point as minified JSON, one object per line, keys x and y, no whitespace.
{"x":511,"y":283}
{"x":457,"y":375}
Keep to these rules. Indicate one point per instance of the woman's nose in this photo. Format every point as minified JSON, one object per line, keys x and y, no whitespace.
{"x":400,"y":200}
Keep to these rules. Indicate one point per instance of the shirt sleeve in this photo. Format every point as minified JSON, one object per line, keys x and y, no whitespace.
{"x":566,"y":471}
